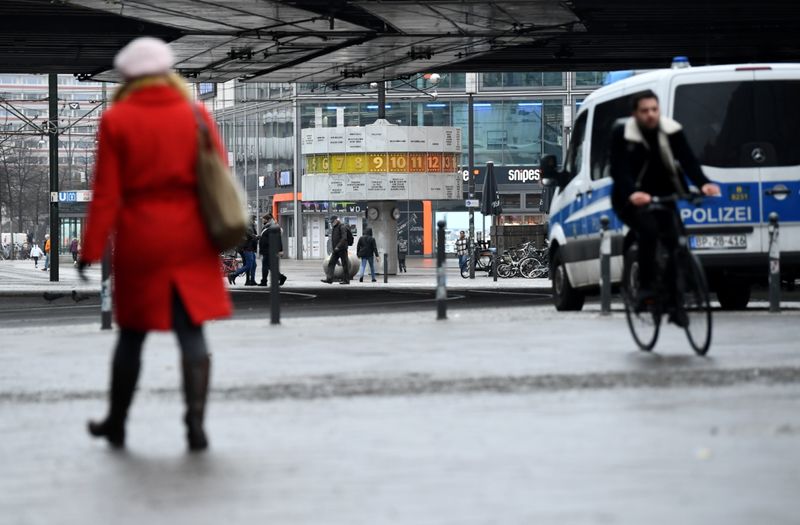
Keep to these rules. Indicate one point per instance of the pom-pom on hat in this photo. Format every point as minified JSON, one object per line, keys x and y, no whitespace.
{"x":144,"y":56}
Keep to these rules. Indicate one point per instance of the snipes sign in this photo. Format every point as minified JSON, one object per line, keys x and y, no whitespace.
{"x":506,"y":175}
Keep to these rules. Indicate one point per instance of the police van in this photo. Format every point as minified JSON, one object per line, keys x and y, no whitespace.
{"x":743,"y":124}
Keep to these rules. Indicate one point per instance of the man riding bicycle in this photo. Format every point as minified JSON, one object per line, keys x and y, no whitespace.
{"x":649,"y":157}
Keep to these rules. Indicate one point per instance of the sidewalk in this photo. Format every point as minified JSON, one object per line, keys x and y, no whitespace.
{"x":20,"y":278}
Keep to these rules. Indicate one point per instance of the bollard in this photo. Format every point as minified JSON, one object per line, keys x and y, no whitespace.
{"x":774,"y":265}
{"x":105,"y":290}
{"x":385,"y":268}
{"x":472,"y":261}
{"x":605,"y":267}
{"x":274,"y":274}
{"x":441,"y":276}
{"x":494,"y":263}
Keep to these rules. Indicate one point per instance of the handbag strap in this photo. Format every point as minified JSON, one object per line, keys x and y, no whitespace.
{"x":202,"y":127}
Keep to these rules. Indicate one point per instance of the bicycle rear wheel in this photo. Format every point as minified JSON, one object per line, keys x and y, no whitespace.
{"x":696,"y":305}
{"x":505,"y":270}
{"x":644,"y":324}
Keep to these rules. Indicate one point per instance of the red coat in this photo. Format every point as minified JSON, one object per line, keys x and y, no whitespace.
{"x":144,"y":192}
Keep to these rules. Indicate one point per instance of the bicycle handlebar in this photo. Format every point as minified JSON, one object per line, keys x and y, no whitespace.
{"x":693,"y":198}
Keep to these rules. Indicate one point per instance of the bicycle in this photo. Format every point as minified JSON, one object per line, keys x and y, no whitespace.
{"x":684,"y":297}
{"x":229,"y":263}
{"x":483,"y":262}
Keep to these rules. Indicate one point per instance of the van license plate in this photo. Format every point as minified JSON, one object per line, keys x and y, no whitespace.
{"x":718,"y":242}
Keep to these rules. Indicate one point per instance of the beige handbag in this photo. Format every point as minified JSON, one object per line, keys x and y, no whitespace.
{"x":221,"y":197}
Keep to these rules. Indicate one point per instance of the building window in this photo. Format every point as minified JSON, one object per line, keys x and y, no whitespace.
{"x":447,"y":82}
{"x":499,"y":81}
{"x":533,"y":201}
{"x":589,"y":78}
{"x":511,"y":201}
{"x":512,"y":132}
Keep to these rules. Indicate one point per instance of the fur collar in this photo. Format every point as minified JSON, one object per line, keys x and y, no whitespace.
{"x":666,"y":125}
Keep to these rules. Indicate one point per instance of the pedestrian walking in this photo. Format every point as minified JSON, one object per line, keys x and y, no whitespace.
{"x":36,"y":252}
{"x":46,"y":253}
{"x":248,"y":251}
{"x":264,"y":247}
{"x":461,"y":251}
{"x":73,"y":250}
{"x":145,"y":186}
{"x":402,"y":248}
{"x":367,"y":251}
{"x":341,"y":238}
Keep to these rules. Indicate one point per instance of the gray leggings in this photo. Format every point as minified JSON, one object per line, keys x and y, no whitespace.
{"x":190,"y":337}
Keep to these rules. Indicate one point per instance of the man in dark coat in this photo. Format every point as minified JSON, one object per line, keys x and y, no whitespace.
{"x":339,"y":244}
{"x":264,"y":247}
{"x":644,"y":152}
{"x":248,"y":251}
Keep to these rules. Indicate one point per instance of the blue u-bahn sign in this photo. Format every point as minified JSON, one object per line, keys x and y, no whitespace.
{"x":71,"y":196}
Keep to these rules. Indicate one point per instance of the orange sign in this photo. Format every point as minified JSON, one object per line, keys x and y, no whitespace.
{"x":416,"y":162}
{"x":434,"y":162}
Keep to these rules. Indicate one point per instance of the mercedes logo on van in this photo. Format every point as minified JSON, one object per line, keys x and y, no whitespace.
{"x":758,"y":155}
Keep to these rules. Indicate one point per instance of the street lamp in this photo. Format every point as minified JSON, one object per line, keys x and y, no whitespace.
{"x":471,"y":89}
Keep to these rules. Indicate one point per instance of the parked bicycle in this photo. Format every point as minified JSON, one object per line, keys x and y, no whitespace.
{"x":483,"y":262}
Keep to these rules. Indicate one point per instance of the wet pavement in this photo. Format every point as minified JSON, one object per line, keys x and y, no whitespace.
{"x":517,"y":415}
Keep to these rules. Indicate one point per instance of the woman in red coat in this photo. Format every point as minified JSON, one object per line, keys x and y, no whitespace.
{"x":166,"y":269}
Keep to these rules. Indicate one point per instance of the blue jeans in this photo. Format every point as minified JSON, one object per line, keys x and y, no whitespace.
{"x":248,"y":264}
{"x":462,"y":261}
{"x":371,"y":261}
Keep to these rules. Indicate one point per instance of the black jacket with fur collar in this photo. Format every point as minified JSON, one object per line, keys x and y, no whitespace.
{"x":630,"y":154}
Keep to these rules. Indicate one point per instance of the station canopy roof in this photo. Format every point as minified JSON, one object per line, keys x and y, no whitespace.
{"x":357,"y":41}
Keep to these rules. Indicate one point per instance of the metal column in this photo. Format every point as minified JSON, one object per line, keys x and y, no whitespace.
{"x":52,"y":129}
{"x":471,"y":189}
{"x":381,"y":100}
{"x":296,"y":180}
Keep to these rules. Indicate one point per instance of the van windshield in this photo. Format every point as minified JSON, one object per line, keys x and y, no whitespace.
{"x":742,"y":124}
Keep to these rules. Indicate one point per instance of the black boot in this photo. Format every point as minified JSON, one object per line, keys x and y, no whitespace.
{"x":195,"y":390}
{"x":123,"y":384}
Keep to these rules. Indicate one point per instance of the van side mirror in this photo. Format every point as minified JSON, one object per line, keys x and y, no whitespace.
{"x":550,"y":173}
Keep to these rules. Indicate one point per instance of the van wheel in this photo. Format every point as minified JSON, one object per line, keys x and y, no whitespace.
{"x":565,"y":297}
{"x":733,"y":294}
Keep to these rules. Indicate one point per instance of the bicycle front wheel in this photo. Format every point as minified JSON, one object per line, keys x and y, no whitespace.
{"x":531,"y":268}
{"x":697,"y":306}
{"x":644,"y":324}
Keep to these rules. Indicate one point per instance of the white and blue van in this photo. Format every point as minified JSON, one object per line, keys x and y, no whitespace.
{"x":743,"y":124}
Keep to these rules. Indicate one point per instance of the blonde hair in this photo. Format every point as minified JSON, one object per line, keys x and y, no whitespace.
{"x":170,"y":79}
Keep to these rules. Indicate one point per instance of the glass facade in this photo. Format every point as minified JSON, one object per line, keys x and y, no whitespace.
{"x":518,"y":118}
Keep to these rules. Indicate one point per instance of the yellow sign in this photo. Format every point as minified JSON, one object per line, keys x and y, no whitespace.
{"x":398,"y":162}
{"x":382,"y":163}
{"x":377,"y":162}
{"x":323,"y":164}
{"x":356,"y":163}
{"x":311,"y":164}
{"x":338,"y":163}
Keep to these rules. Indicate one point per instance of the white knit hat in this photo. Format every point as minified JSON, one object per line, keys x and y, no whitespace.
{"x":144,"y":56}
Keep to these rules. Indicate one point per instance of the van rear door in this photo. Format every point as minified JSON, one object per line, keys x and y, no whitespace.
{"x":777,"y":151}
{"x":717,"y":112}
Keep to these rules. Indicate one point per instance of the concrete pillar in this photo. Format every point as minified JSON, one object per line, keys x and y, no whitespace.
{"x":384,"y":229}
